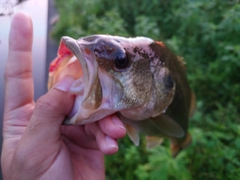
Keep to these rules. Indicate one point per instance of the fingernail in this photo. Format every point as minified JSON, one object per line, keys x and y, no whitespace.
{"x":117,"y":122}
{"x":111,"y":142}
{"x":65,"y":83}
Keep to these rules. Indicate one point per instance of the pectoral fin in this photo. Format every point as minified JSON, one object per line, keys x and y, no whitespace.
{"x":153,"y":141}
{"x":168,"y":126}
{"x":133,"y":134}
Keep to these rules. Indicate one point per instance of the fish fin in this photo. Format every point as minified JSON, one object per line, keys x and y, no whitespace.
{"x":177,"y":146}
{"x":192,"y":105}
{"x":133,"y":134}
{"x":168,"y":126}
{"x":153,"y":141}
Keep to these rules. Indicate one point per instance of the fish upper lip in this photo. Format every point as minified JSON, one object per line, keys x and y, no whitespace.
{"x":72,"y":45}
{"x":88,"y":63}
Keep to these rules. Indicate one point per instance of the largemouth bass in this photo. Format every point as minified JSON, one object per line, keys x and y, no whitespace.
{"x":138,"y":78}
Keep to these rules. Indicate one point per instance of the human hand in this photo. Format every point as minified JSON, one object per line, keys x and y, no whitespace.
{"x":35,"y":144}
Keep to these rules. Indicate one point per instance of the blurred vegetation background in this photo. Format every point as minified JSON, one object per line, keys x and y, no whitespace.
{"x":207,"y":34}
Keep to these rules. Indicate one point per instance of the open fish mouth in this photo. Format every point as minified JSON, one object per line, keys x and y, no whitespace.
{"x":95,"y":90}
{"x":92,"y":93}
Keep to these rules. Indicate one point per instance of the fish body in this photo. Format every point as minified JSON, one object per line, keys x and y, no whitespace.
{"x":138,"y":78}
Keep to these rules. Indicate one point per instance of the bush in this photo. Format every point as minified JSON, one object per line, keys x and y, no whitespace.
{"x":206,"y":34}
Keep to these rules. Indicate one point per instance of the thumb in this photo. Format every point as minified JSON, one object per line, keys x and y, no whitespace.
{"x":50,"y":111}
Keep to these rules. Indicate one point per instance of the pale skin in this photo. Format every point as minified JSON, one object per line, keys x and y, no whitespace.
{"x":35,"y":143}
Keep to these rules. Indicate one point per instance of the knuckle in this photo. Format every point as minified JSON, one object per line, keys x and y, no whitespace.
{"x":54,"y":104}
{"x":46,"y":103}
{"x":45,"y":106}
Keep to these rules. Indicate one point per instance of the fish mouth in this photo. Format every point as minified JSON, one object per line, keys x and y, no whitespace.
{"x":97,"y":93}
{"x":92,"y":92}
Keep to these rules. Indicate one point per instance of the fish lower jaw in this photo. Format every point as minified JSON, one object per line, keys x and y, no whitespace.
{"x":81,"y":115}
{"x":138,"y":114}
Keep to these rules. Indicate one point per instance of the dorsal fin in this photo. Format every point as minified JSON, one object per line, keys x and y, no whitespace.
{"x":168,"y":126}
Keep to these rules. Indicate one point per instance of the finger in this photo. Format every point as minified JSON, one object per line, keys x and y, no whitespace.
{"x":106,"y":144}
{"x":78,"y":136}
{"x":110,"y":126}
{"x":113,"y":127}
{"x":49,"y":112}
{"x":18,"y":70}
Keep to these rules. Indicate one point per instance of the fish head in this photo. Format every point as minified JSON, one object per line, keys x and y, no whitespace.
{"x":113,"y":74}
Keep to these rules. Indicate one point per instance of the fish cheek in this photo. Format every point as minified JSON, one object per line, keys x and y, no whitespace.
{"x":141,"y":81}
{"x":137,"y":85}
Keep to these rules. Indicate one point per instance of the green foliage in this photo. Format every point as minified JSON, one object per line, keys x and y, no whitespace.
{"x":206,"y":33}
{"x":122,"y":165}
{"x":162,"y":166}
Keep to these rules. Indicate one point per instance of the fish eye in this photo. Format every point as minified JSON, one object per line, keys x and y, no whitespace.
{"x":121,"y":63}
